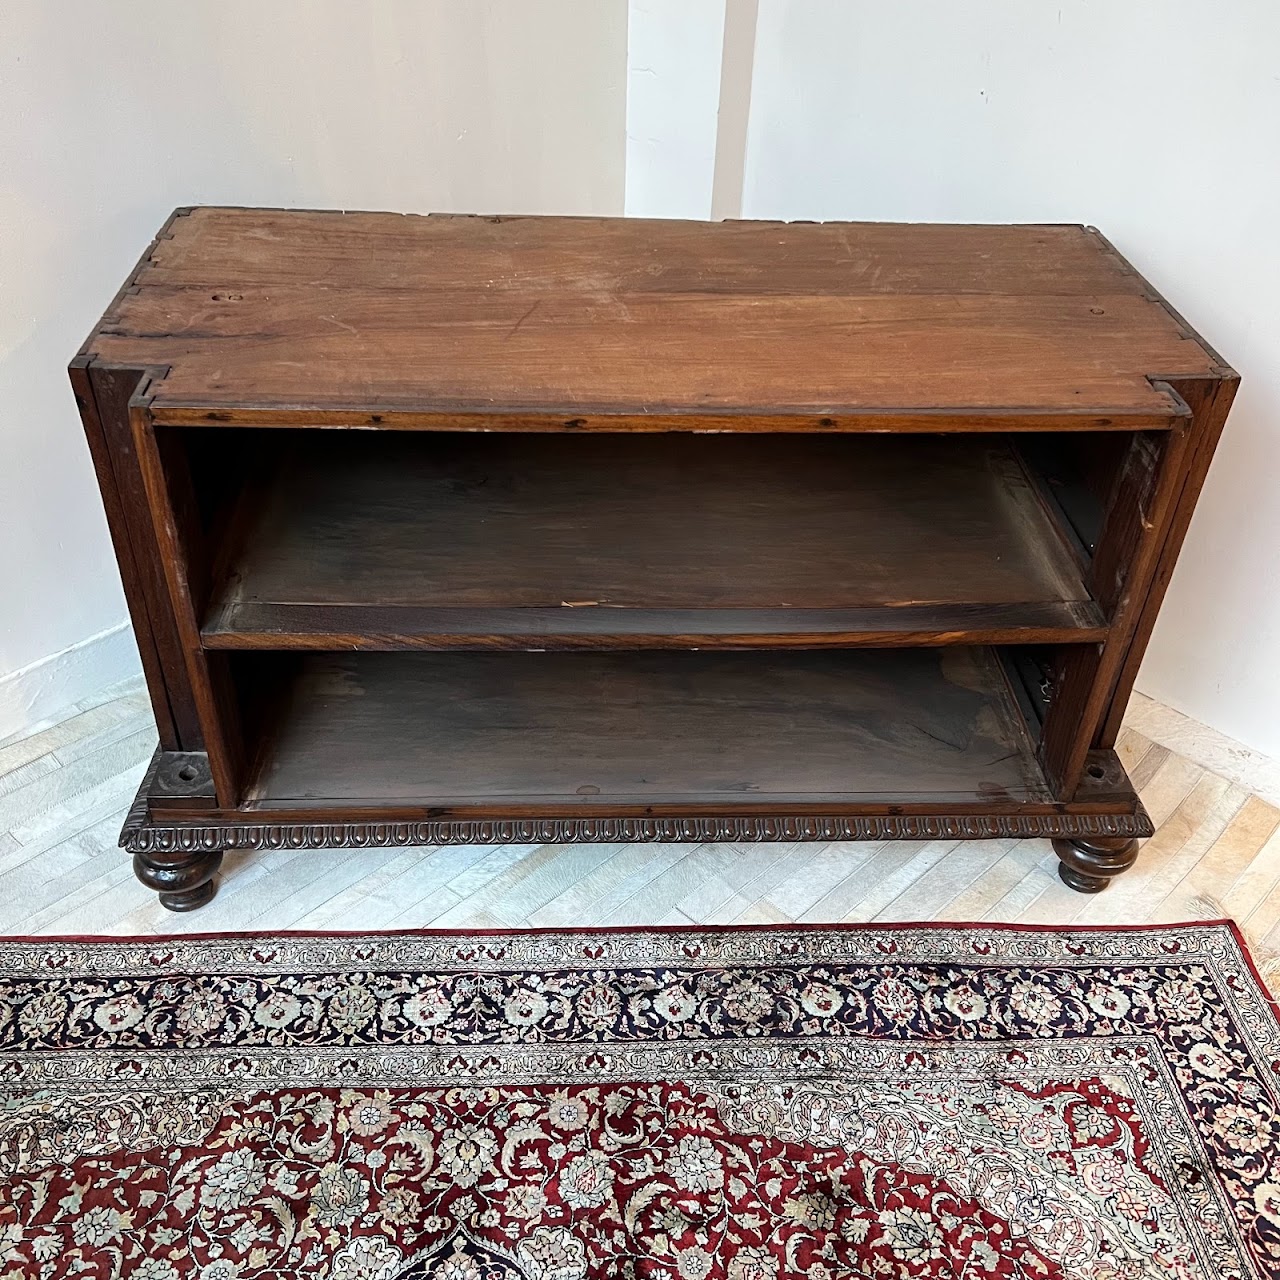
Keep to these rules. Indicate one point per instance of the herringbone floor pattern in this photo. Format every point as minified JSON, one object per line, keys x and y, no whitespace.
{"x":64,"y":790}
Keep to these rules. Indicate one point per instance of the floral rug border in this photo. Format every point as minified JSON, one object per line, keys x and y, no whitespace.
{"x":791,"y":1008}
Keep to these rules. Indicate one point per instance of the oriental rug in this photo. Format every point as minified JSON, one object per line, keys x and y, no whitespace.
{"x":819,"y":1103}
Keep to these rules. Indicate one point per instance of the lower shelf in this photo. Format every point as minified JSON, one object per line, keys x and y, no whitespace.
{"x":645,"y":730}
{"x":440,"y":748}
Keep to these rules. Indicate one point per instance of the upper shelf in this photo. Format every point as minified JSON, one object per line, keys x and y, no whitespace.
{"x":287,"y":317}
{"x":514,"y":541}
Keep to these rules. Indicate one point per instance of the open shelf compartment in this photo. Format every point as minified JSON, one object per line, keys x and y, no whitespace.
{"x":658,"y":732}
{"x":394,"y":540}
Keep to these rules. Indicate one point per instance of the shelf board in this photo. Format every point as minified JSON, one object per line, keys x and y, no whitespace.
{"x":669,"y":733}
{"x":408,"y":540}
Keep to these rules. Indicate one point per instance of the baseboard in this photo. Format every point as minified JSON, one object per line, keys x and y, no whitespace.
{"x":47,"y":690}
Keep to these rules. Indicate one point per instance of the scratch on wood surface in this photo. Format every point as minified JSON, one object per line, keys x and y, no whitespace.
{"x":342,"y":324}
{"x":523,"y":318}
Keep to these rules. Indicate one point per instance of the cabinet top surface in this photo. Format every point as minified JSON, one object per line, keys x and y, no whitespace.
{"x":268,"y":315}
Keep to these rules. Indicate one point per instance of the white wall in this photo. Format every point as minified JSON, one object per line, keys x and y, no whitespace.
{"x":112,"y":114}
{"x":1156,"y":120}
{"x":673,"y":95}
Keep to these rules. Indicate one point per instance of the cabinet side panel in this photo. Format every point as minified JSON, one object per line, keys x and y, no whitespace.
{"x":103,"y":395}
{"x":172,"y":507}
{"x":1135,"y":528}
{"x":1210,"y":401}
{"x":130,"y":576}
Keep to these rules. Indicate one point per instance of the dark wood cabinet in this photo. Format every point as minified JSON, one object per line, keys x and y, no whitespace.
{"x":473,"y":529}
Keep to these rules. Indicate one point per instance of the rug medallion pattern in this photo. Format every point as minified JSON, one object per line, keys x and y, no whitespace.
{"x":929,"y":1102}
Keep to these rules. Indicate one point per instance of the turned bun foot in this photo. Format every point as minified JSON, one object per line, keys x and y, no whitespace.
{"x":1087,"y":864}
{"x":184,"y":881}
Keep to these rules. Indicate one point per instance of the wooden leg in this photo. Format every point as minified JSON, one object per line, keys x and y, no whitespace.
{"x":1088,"y":864}
{"x":185,"y":881}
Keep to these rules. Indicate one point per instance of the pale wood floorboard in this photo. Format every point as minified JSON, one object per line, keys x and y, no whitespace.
{"x":65,"y":786}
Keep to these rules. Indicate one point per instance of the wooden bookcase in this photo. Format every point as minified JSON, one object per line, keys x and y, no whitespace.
{"x":472,"y":529}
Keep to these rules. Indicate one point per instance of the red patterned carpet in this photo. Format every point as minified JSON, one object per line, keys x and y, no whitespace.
{"x":938,"y":1101}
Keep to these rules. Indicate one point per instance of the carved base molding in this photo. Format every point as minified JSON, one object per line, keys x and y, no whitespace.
{"x":150,"y":837}
{"x":180,"y":859}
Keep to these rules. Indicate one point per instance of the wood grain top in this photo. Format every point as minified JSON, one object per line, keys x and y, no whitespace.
{"x":534,"y":322}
